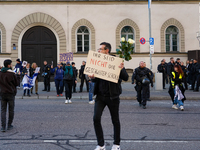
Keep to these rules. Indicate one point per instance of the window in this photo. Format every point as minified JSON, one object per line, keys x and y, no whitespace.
{"x":172,"y":38}
{"x":128,"y":33}
{"x":0,"y":41}
{"x":83,"y":39}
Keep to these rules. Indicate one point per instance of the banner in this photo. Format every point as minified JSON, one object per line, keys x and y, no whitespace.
{"x":29,"y":82}
{"x":64,"y":57}
{"x":103,"y":66}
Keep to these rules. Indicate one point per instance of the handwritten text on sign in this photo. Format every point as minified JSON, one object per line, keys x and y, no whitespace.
{"x":66,"y":57}
{"x":103,"y":66}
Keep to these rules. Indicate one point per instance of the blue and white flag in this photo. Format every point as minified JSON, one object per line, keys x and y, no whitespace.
{"x":149,"y":3}
{"x":29,"y":82}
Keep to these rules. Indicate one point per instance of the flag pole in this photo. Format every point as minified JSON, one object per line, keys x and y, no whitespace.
{"x":149,"y":8}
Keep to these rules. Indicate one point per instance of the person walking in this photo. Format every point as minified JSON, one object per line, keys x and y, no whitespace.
{"x":195,"y":72}
{"x":107,"y":94}
{"x":59,"y":73}
{"x":68,"y":82}
{"x":198,"y":79}
{"x":75,"y":72}
{"x":82,"y":77}
{"x":161,"y":68}
{"x":46,"y":74}
{"x":29,"y":72}
{"x":177,"y":88}
{"x":8,"y":83}
{"x":91,"y":89}
{"x":34,"y":66}
{"x":170,"y":68}
{"x":143,"y":79}
{"x":190,"y":73}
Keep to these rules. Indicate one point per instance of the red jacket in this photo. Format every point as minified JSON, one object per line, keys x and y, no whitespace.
{"x":8,"y":82}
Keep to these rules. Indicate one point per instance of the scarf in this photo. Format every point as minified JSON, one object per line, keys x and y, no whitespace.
{"x":4,"y":69}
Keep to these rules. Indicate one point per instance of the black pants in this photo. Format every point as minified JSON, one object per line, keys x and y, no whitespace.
{"x":164,"y":78}
{"x":185,"y":82}
{"x":194,"y":77}
{"x":74,"y":85}
{"x":10,"y":101}
{"x":68,"y":88}
{"x":198,"y":82}
{"x":142,"y":93}
{"x":46,"y":83}
{"x":28,"y":91}
{"x":113,"y":105}
{"x":82,"y":82}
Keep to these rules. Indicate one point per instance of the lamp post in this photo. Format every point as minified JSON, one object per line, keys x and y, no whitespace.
{"x":198,"y":33}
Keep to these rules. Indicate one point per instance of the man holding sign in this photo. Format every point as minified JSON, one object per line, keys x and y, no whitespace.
{"x":107,"y":90}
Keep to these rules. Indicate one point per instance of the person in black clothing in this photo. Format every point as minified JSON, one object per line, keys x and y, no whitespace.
{"x":197,"y":78}
{"x":107,"y":94}
{"x":184,"y":69}
{"x":178,"y":61}
{"x":75,"y":72}
{"x":195,"y":72}
{"x":161,"y":68}
{"x":8,"y":83}
{"x":166,"y":75}
{"x":46,"y":74}
{"x":29,"y":72}
{"x":82,"y":77}
{"x":170,"y":69}
{"x":190,"y":72}
{"x":143,"y":79}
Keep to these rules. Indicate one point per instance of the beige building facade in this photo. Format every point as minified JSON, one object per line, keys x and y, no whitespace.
{"x":79,"y":26}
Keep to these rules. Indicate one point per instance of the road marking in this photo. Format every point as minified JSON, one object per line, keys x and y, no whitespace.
{"x":50,"y":141}
{"x":127,"y":141}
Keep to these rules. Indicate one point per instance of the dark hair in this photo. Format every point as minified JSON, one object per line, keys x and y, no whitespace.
{"x":7,"y":62}
{"x":180,"y":71}
{"x":73,"y":63}
{"x":178,"y":59}
{"x":107,"y":46}
{"x":18,"y":59}
{"x":171,"y":58}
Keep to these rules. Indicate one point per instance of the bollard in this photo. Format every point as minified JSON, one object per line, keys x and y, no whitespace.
{"x":158,"y":81}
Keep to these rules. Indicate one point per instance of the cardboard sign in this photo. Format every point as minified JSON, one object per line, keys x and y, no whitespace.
{"x":37,"y":69}
{"x":103,"y":66}
{"x":64,"y":57}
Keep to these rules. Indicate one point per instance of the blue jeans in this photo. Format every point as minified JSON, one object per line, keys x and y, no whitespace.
{"x":91,"y":90}
{"x":176,"y":101}
{"x":59,"y":86}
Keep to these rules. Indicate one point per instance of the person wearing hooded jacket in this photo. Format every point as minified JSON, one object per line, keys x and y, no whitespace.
{"x":8,"y":83}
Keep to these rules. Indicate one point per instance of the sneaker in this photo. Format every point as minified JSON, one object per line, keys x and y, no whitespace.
{"x":36,"y":93}
{"x":100,"y":148}
{"x":66,"y":101}
{"x":3,"y":129}
{"x":91,"y":102}
{"x":182,"y":108}
{"x":70,"y":101}
{"x":115,"y":147}
{"x":10,"y":127}
{"x":61,"y":95}
{"x":57,"y":95}
{"x":174,"y":107}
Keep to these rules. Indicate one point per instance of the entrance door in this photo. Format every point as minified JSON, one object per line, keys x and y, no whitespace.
{"x":39,"y":44}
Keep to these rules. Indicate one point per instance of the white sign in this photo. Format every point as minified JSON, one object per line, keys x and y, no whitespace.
{"x":151,"y":49}
{"x":37,"y":69}
{"x":103,"y":66}
{"x":24,"y":63}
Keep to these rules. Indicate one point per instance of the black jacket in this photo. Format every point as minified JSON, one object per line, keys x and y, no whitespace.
{"x":81,"y":72}
{"x":141,"y":73}
{"x":75,"y":73}
{"x":115,"y":89}
{"x":185,"y":70}
{"x":26,"y":71}
{"x":170,"y":69}
{"x":195,"y":69}
{"x":47,"y":69}
{"x":161,"y":68}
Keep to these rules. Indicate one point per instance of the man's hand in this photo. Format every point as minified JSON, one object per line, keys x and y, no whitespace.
{"x":19,"y":73}
{"x":91,"y":76}
{"x":76,"y":81}
{"x":121,"y":65}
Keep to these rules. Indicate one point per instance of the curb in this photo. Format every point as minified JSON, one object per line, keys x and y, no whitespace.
{"x":86,"y":97}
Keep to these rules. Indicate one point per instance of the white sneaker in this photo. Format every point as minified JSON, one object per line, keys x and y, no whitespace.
{"x":70,"y":101}
{"x":115,"y":147}
{"x":91,"y":102}
{"x":182,"y":108}
{"x":100,"y":148}
{"x":174,"y":107}
{"x":66,"y":101}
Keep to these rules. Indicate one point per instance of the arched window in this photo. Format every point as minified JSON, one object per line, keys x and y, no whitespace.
{"x":172,"y":39}
{"x":83,"y":39}
{"x":0,"y":42}
{"x":127,"y":32}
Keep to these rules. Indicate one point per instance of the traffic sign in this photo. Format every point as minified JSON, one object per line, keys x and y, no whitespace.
{"x":151,"y":41}
{"x":142,"y":41}
{"x":151,"y":49}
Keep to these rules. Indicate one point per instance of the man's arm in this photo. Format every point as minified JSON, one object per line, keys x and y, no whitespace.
{"x":124,"y":75}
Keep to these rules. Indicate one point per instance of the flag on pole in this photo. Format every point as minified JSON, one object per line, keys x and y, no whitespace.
{"x":149,"y":3}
